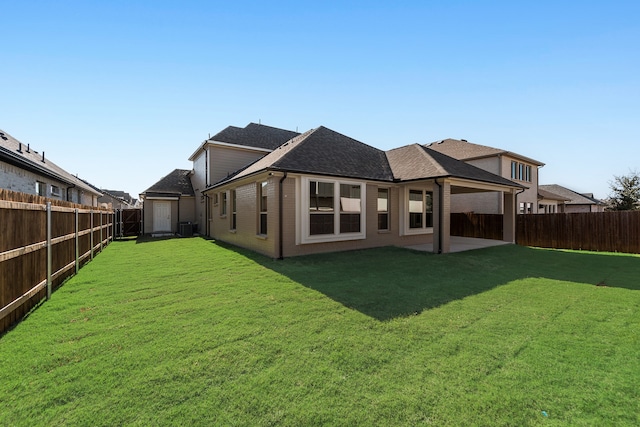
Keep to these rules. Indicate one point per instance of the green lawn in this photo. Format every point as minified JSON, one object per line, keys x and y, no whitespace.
{"x":192,"y":332}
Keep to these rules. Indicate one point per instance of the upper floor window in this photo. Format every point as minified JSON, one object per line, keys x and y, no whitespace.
{"x":514,"y":170}
{"x":521,"y":172}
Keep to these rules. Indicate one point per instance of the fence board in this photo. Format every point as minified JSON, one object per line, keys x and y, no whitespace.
{"x":23,"y":248}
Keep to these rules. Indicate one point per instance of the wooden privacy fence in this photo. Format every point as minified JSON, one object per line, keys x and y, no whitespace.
{"x":589,"y":231}
{"x":473,"y":225}
{"x":42,"y":242}
{"x":596,"y":231}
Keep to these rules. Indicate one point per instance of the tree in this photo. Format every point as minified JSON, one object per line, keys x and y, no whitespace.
{"x":625,"y":194}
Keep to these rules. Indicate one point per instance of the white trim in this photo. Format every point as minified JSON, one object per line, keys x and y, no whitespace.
{"x":162,"y":198}
{"x":404,"y":211}
{"x":302,"y":212}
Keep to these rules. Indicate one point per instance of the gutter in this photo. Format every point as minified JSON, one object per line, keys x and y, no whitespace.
{"x":280,"y":218}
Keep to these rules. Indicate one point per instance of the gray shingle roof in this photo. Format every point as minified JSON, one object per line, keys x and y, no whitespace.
{"x":570,"y":195}
{"x":322,"y":151}
{"x":543,"y":194}
{"x":177,"y":182}
{"x":22,"y":155}
{"x":464,"y":150}
{"x":254,"y":135}
{"x":414,"y":162}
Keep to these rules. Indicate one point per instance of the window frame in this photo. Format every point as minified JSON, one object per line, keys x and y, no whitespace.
{"x":425,"y":227}
{"x":386,"y":211}
{"x":233,"y":224}
{"x":263,"y":207}
{"x":304,"y":213}
{"x":41,"y":189}
{"x":223,"y":204}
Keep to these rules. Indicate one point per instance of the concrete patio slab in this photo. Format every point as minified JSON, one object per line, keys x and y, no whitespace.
{"x":461,"y":244}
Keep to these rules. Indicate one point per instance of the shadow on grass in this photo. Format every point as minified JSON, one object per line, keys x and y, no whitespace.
{"x":386,"y":283}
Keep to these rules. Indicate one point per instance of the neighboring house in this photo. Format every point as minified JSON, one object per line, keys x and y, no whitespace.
{"x":228,"y":151}
{"x":575,"y":202}
{"x":112,"y":201}
{"x":168,"y":202}
{"x":322,"y":191}
{"x":507,"y":164}
{"x":26,"y":170}
{"x":129,"y":202}
{"x":549,"y":202}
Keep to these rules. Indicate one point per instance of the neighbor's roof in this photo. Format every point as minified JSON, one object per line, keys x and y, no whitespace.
{"x":414,"y":162}
{"x":548,"y":195}
{"x":175,"y":183}
{"x":464,"y":150}
{"x":570,"y":195}
{"x":23,"y":156}
{"x":253,"y":135}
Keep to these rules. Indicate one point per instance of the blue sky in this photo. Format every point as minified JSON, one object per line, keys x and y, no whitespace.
{"x":122,"y":92}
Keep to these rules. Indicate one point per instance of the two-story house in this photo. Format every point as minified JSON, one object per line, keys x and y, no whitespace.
{"x":507,"y":164}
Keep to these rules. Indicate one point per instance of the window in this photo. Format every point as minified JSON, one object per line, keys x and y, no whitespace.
{"x":520,"y":171}
{"x":383,"y":208}
{"x":331,"y":210}
{"x":349,"y":208}
{"x":55,"y":190}
{"x":420,"y":209}
{"x":521,"y":210}
{"x":233,"y":210}
{"x":215,"y":199}
{"x":321,"y":211}
{"x":41,"y":189}
{"x":527,"y":173}
{"x":529,"y":207}
{"x":223,"y":204}
{"x":262,"y":197}
{"x":514,"y":170}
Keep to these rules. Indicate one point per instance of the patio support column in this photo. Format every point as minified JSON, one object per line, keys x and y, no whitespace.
{"x":509,"y":218}
{"x":442,"y":218}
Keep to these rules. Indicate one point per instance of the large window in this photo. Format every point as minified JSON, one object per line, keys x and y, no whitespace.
{"x":262,"y":198}
{"x":514,"y":170}
{"x":333,"y":210}
{"x":420,"y":209}
{"x":233,"y":210}
{"x":349,"y":208}
{"x":383,"y":208}
{"x":321,"y":207}
{"x":521,"y":172}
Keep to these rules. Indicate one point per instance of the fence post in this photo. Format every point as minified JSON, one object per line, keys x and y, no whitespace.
{"x":77,"y":243}
{"x":49,"y":255}
{"x":91,"y":234}
{"x":101,"y":239}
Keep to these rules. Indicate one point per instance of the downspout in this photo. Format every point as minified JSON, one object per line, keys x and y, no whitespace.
{"x":69,"y":188}
{"x":280,"y":219}
{"x":440,"y":214}
{"x":517,"y":207}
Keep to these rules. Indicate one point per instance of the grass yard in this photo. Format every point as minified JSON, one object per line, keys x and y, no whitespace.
{"x":192,"y":332}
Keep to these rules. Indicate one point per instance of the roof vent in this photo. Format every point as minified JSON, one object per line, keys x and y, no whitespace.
{"x":43,"y":157}
{"x":464,"y":140}
{"x":28,"y":148}
{"x":19,"y":147}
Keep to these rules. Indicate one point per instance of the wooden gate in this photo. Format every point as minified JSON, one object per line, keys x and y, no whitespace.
{"x":129,"y":222}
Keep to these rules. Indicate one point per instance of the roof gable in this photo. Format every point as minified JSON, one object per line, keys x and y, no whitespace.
{"x":463,"y":150}
{"x":414,"y":162}
{"x":177,"y":182}
{"x":254,"y":135}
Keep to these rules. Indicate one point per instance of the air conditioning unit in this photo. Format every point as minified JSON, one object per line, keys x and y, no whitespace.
{"x":185,"y":229}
